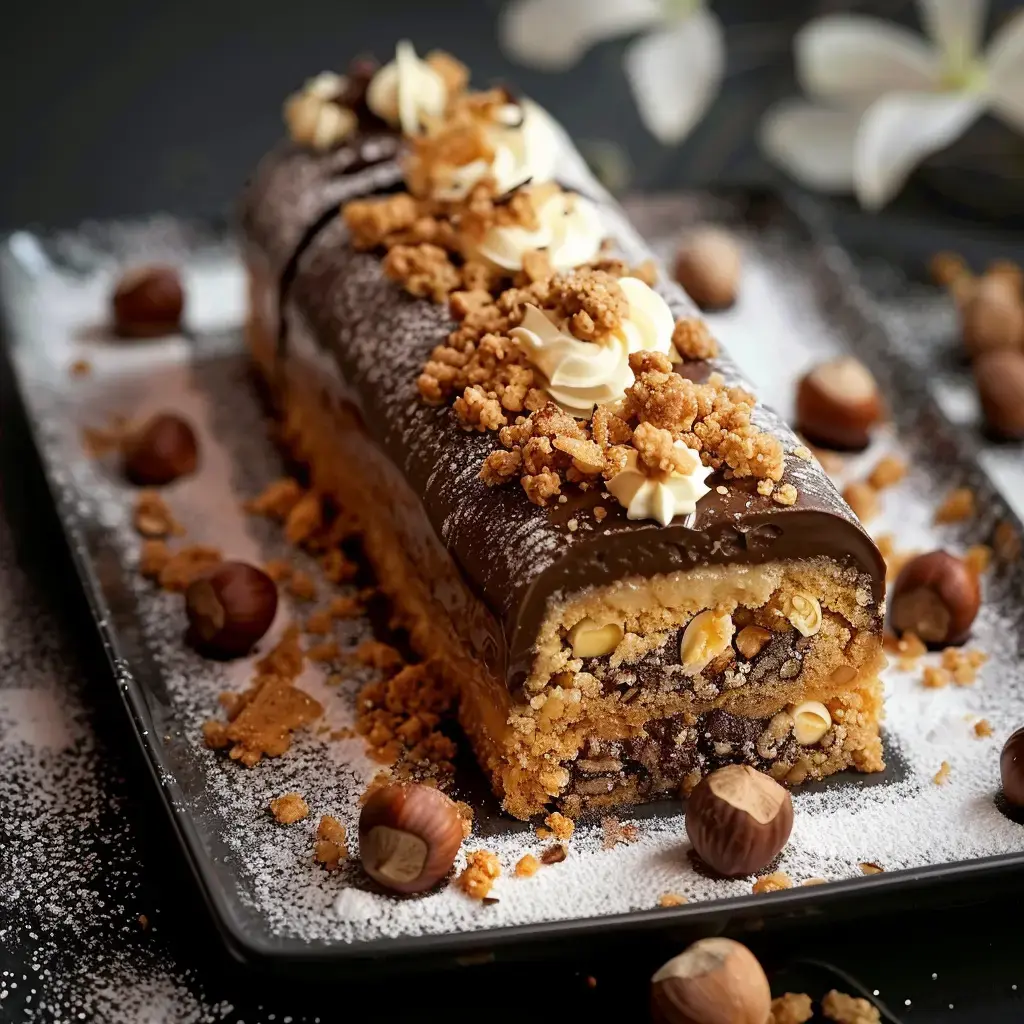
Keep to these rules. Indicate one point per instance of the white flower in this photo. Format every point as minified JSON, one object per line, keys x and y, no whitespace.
{"x":892,"y":98}
{"x":659,"y":497}
{"x":406,"y":90}
{"x":674,"y":70}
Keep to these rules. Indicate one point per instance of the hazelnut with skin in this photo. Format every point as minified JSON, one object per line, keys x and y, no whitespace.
{"x":837,"y":404}
{"x":708,"y":268}
{"x":409,"y":836}
{"x":1011,"y":769}
{"x":738,"y":820}
{"x":161,"y":450}
{"x":714,"y":981}
{"x":936,"y":597}
{"x":230,"y":609}
{"x":999,"y":377}
{"x":993,"y":317}
{"x":148,"y":302}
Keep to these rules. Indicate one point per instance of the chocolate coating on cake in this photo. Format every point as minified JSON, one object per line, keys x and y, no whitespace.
{"x":492,"y":557}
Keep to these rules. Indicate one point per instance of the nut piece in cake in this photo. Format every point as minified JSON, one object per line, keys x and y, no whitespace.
{"x":837,"y":404}
{"x":738,"y":820}
{"x":708,"y":267}
{"x":707,"y":635}
{"x":811,"y":720}
{"x":935,"y":597}
{"x":999,"y":377}
{"x":163,"y":449}
{"x":230,"y":609}
{"x":1011,"y":769}
{"x":409,"y":836}
{"x":714,"y":981}
{"x":148,"y":302}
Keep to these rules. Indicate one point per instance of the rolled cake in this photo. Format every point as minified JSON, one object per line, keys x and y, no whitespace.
{"x":634,"y":573}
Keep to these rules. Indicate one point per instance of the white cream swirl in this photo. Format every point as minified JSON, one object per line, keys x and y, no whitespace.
{"x":661,"y":497}
{"x":570,"y":232}
{"x":314,"y":117}
{"x":582,"y":374}
{"x":406,"y":90}
{"x":525,"y":148}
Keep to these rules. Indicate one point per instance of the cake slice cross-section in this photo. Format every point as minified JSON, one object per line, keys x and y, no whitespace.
{"x":633,"y":571}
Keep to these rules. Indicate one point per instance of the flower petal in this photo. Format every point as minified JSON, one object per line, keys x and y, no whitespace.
{"x":675,"y":74}
{"x":956,"y":26}
{"x":902,"y":129}
{"x":1005,"y":59}
{"x":855,"y":59}
{"x":812,"y":144}
{"x":554,"y":34}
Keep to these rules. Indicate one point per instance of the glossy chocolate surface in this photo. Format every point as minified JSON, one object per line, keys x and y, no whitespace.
{"x":491,"y":548}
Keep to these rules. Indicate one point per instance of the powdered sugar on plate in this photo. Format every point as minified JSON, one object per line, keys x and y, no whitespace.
{"x":791,"y":312}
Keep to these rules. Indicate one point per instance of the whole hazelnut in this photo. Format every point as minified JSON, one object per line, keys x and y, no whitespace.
{"x":161,"y":450}
{"x":409,"y":836}
{"x":148,"y":302}
{"x":999,"y":377}
{"x":738,"y":820}
{"x":1011,"y":769}
{"x":837,"y":404}
{"x":714,"y":981}
{"x":230,"y":609}
{"x":993,"y":317}
{"x":936,"y":597}
{"x":708,"y":268}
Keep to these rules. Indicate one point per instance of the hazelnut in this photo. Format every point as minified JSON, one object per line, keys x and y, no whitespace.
{"x":837,"y":404}
{"x":1011,"y":769}
{"x":161,"y":450}
{"x":708,"y":268}
{"x":738,"y":820}
{"x":589,"y":640}
{"x":993,"y":317}
{"x":936,"y":597}
{"x":715,"y":981}
{"x":409,"y":836}
{"x":804,"y":613}
{"x":229,"y":609}
{"x":999,"y":377}
{"x":811,"y":720}
{"x":707,"y":635}
{"x":148,"y":302}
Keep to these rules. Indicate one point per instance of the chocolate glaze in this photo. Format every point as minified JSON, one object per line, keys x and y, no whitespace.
{"x":492,"y":557}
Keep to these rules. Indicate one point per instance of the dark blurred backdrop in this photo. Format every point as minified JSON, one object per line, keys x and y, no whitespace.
{"x":125,"y":107}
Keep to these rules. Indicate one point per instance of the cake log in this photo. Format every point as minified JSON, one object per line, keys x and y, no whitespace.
{"x":507,"y":595}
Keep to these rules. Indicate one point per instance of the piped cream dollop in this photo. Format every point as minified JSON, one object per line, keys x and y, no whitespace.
{"x":661,"y":497}
{"x":313,"y":115}
{"x":525,"y":149}
{"x":406,"y":90}
{"x":570,"y":232}
{"x":582,"y":374}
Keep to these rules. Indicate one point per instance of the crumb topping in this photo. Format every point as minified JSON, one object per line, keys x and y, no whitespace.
{"x":289,"y":808}
{"x":844,"y":1009}
{"x":791,"y":1008}
{"x":330,"y":848}
{"x":478,"y":877}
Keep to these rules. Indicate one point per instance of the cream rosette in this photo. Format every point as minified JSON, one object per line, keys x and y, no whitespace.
{"x":570,"y":232}
{"x":582,"y":374}
{"x":313,"y":115}
{"x":406,"y":91}
{"x":524,"y":147}
{"x":663,"y":496}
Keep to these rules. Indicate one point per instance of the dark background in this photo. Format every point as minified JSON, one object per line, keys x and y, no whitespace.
{"x":123,"y":109}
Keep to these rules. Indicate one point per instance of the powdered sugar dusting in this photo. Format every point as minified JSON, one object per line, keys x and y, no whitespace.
{"x":902,"y":821}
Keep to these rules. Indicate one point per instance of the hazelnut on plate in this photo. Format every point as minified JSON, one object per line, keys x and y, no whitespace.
{"x":999,"y":377}
{"x":738,"y":820}
{"x":163,"y":449}
{"x":837,"y":404}
{"x":714,"y":981}
{"x":993,"y":317}
{"x":148,"y":302}
{"x":1011,"y":769}
{"x":230,"y":609}
{"x":708,"y":268}
{"x":409,"y":836}
{"x":936,"y":597}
